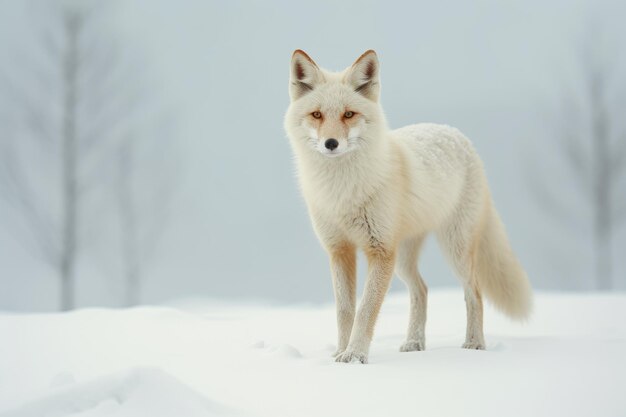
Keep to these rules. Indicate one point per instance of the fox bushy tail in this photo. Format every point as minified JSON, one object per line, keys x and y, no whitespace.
{"x":496,"y":269}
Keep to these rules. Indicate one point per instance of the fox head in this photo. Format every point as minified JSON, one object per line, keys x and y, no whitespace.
{"x":333,"y":113}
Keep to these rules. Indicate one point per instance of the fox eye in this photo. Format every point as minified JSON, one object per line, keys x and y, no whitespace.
{"x":316,"y":114}
{"x":348,"y":114}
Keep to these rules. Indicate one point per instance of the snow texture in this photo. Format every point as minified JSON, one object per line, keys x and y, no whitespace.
{"x":215,"y":359}
{"x":138,"y":392}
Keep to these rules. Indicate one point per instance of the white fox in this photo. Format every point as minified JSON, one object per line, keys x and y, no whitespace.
{"x":382,"y":191}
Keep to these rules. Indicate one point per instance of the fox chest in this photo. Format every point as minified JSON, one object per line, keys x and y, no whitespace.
{"x":366,"y":226}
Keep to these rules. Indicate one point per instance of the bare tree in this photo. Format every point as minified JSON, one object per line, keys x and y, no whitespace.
{"x":73,"y":22}
{"x":78,"y":123}
{"x":55,"y":234}
{"x":592,"y":136}
{"x":128,"y":220}
{"x":144,"y":186}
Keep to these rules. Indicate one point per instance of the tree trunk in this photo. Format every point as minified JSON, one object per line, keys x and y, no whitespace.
{"x":69,"y":164}
{"x":601,"y":192}
{"x":129,"y":232}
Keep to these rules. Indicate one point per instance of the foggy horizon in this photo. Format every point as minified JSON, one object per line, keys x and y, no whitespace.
{"x":235,"y":226}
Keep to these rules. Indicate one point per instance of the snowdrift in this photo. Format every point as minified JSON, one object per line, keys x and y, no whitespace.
{"x":205,"y":358}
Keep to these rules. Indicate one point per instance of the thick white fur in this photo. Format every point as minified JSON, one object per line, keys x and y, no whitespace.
{"x":383,"y":192}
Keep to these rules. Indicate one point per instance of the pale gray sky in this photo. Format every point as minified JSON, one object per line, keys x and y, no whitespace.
{"x":238,"y":227}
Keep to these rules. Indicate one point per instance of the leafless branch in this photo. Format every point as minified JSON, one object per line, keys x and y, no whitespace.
{"x":79,"y":102}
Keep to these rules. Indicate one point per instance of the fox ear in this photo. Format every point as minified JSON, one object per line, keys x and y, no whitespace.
{"x":363,"y":75}
{"x":305,"y":74}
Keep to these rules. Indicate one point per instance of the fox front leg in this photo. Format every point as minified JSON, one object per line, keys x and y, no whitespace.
{"x":380,"y":265}
{"x":343,"y":268}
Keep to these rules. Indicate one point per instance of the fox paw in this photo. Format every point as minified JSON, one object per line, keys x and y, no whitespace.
{"x":474,"y":345}
{"x":338,"y":352}
{"x":412,"y":346}
{"x":351,"y":357}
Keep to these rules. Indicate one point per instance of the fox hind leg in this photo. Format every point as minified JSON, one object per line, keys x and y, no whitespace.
{"x":474,"y":337}
{"x":457,"y":249}
{"x":457,"y":241}
{"x":406,"y":268}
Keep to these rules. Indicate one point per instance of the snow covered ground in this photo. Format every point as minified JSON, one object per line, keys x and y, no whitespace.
{"x":214,"y":359}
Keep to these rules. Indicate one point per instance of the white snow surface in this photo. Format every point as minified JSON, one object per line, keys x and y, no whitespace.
{"x":206,"y":358}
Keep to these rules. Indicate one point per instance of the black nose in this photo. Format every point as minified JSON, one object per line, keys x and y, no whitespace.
{"x":331,"y":144}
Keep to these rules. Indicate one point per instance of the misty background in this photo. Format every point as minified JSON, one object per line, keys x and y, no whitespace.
{"x":183,"y":181}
